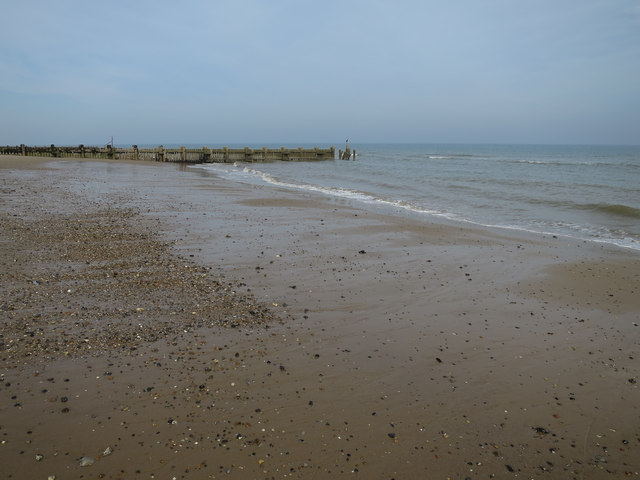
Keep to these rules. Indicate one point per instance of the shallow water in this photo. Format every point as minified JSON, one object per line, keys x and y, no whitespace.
{"x":585,"y":192}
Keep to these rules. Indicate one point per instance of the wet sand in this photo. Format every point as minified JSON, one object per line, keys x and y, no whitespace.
{"x":158,"y":322}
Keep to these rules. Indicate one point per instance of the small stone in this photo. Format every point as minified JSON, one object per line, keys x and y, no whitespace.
{"x":39,"y":457}
{"x":107,"y":451}
{"x":86,"y":461}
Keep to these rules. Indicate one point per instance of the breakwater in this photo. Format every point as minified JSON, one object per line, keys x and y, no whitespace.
{"x":179,"y":155}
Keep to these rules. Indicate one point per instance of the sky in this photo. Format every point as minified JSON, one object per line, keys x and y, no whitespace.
{"x":317,"y":72}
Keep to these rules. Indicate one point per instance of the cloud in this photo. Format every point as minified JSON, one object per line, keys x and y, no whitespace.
{"x":302,"y":67}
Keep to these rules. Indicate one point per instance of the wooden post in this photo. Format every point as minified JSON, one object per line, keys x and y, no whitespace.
{"x":53,"y":152}
{"x":225,"y":154}
{"x":183,"y":153}
{"x":206,"y":155}
{"x":160,"y":157}
{"x":264,"y":154}
{"x":24,"y":149}
{"x":136,"y":153}
{"x":354,"y":153}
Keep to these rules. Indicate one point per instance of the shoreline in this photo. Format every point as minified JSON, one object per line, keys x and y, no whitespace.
{"x":413,"y":211}
{"x":401,"y":348}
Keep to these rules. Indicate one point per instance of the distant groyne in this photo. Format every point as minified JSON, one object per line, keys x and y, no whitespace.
{"x":179,"y":155}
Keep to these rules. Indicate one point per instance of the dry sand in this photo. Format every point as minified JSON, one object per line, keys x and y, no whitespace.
{"x":159,"y":323}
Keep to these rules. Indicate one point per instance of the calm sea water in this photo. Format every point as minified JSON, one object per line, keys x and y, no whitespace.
{"x":585,"y":192}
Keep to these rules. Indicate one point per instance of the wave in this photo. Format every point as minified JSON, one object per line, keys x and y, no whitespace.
{"x":340,"y":192}
{"x":615,"y":209}
{"x":564,"y":163}
{"x":245,"y":173}
{"x":346,"y":193}
{"x":429,"y":156}
{"x":444,"y":156}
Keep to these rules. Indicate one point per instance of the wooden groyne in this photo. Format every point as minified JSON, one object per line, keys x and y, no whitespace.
{"x":179,"y":155}
{"x":346,"y":154}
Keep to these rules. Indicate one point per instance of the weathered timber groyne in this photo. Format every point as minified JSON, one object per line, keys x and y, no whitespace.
{"x":347,"y":155}
{"x":179,"y":155}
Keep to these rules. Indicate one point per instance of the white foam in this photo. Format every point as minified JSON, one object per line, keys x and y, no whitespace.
{"x":244,"y":173}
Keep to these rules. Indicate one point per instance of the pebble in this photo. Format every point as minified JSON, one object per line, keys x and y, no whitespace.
{"x":72,"y":238}
{"x":86,"y":461}
{"x":219,"y":400}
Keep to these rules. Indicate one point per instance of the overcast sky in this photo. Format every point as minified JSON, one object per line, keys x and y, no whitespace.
{"x":276,"y":71}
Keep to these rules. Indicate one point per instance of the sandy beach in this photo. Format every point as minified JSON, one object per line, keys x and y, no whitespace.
{"x":155,"y":323}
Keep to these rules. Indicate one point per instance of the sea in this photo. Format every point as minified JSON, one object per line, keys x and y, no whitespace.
{"x":584,"y":192}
